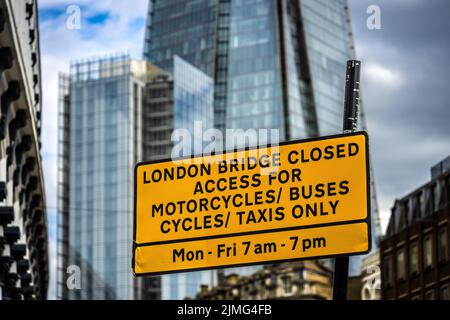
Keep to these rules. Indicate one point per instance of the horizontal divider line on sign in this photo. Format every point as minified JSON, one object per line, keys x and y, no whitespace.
{"x":330,"y":224}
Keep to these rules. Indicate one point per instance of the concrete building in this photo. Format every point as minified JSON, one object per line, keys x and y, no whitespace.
{"x":23,"y":229}
{"x":303,"y":280}
{"x":414,"y":253}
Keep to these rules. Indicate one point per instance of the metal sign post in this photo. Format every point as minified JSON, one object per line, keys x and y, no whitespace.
{"x":351,"y":109}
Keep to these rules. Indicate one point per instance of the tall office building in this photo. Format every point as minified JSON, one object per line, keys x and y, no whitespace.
{"x":113,"y":113}
{"x":23,"y":229}
{"x":100,"y":137}
{"x":275,"y":63}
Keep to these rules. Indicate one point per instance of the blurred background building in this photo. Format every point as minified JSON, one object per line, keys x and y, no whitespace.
{"x":100,"y":136}
{"x":366,"y":285}
{"x":176,"y":101}
{"x":371,"y":277}
{"x":415,"y":251}
{"x":275,"y":65}
{"x":112,"y":111}
{"x":302,"y":280}
{"x":24,"y":266}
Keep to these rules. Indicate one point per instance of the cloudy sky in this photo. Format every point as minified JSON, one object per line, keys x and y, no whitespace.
{"x":405,"y":87}
{"x":405,"y":82}
{"x":107,"y":27}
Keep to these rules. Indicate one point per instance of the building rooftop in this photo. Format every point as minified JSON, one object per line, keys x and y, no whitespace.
{"x":423,"y":201}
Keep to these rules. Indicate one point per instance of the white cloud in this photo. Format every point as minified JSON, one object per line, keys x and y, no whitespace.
{"x":60,"y":45}
{"x":383,"y":76}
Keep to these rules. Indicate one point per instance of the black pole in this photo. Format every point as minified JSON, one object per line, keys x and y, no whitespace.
{"x":351,"y":109}
{"x":351,"y":100}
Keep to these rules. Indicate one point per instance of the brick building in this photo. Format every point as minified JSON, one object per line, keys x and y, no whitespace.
{"x":414,"y":253}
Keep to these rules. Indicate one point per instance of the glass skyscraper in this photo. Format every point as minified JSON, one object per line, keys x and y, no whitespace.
{"x":275,"y":63}
{"x":177,"y":101}
{"x":101,"y":104}
{"x":193,"y":101}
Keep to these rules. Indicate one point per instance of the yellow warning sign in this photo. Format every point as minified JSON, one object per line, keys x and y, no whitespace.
{"x":297,"y":200}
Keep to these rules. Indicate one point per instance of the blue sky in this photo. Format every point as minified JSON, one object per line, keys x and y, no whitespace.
{"x":107,"y":27}
{"x":404,"y":81}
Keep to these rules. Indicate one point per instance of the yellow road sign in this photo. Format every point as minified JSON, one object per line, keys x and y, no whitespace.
{"x":301,"y":199}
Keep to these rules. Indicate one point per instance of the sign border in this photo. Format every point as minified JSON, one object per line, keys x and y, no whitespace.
{"x":367,"y":220}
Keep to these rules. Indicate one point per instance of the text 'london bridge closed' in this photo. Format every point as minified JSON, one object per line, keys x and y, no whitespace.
{"x":301,"y":199}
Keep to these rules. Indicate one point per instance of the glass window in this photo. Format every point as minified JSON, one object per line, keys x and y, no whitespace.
{"x":421,"y":201}
{"x":432,"y":201}
{"x":388,"y":270}
{"x":111,"y":89}
{"x":427,"y":252}
{"x":442,"y":244}
{"x":440,"y":195}
{"x":301,"y":275}
{"x":413,"y":259}
{"x":262,"y":289}
{"x":443,"y":295}
{"x":273,"y":279}
{"x":429,"y":295}
{"x":287,"y":285}
{"x":401,"y":265}
{"x":448,"y":189}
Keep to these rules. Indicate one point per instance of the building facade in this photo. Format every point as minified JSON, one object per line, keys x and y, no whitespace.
{"x":303,"y":280}
{"x":24,"y":267}
{"x":275,"y":64}
{"x":415,"y":252}
{"x":100,"y":142}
